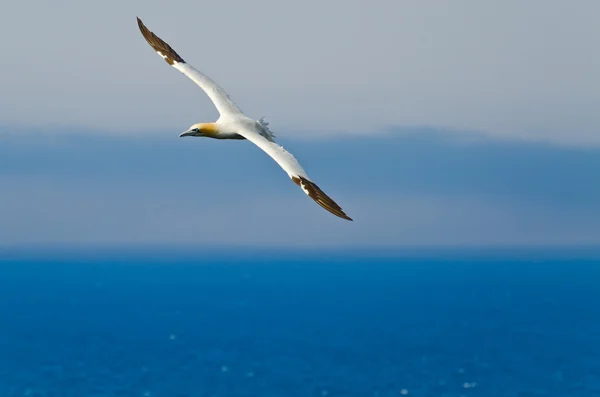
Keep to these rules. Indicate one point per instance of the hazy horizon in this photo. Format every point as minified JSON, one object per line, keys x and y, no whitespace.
{"x":406,"y":189}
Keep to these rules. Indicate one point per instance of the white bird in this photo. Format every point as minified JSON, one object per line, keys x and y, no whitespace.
{"x":233,"y":124}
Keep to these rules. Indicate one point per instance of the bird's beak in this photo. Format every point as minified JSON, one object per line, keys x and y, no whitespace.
{"x":187,"y":133}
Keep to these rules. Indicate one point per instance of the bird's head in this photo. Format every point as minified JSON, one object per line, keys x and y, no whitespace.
{"x":201,"y":129}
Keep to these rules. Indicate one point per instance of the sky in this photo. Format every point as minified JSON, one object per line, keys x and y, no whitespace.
{"x":430,"y":122}
{"x":510,"y":68}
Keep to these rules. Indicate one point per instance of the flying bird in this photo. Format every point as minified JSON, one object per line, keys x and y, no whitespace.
{"x":234,"y":124}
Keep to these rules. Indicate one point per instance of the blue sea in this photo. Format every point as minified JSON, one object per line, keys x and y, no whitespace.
{"x":260,"y":323}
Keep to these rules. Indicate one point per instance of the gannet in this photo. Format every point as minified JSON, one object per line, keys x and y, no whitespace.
{"x":234,"y":124}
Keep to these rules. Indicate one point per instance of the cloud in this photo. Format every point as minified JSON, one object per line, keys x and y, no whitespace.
{"x":511,"y":69}
{"x":402,"y":190}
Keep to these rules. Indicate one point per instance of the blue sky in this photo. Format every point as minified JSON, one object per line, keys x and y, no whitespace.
{"x":431,"y":123}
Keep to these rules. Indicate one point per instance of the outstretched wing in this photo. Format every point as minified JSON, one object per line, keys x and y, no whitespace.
{"x":295,"y":171}
{"x":217,"y":95}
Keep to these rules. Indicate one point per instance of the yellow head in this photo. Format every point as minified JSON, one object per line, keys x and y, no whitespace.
{"x":202,"y":129}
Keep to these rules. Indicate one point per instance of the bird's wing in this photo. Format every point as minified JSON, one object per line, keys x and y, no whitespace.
{"x":222,"y":102}
{"x":295,"y":171}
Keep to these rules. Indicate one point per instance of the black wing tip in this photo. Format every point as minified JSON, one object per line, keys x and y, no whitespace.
{"x":141,"y":25}
{"x":315,"y":193}
{"x":159,"y":45}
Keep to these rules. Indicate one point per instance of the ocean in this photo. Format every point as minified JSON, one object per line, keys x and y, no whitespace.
{"x":259,"y":323}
